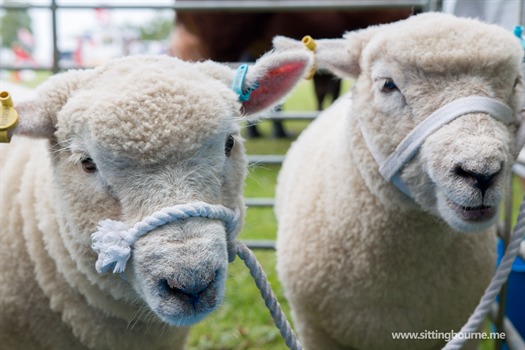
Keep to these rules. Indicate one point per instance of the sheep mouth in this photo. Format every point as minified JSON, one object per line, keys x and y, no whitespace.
{"x":473,"y":214}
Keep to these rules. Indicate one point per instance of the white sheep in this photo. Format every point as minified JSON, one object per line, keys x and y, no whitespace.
{"x":358,"y":258}
{"x":122,"y":141}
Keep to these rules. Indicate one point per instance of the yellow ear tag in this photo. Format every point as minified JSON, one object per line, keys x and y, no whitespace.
{"x":8,"y":117}
{"x":310,"y":44}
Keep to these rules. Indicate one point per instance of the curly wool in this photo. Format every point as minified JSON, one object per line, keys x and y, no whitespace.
{"x":168,"y":111}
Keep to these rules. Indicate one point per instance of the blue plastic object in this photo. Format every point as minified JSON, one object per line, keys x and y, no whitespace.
{"x":238,"y":83}
{"x":515,"y":306}
{"x":518,"y":31}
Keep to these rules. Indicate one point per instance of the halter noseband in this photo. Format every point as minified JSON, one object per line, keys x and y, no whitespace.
{"x":391,"y":165}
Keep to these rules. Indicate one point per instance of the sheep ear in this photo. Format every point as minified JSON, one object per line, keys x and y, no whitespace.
{"x":340,"y":56}
{"x":336,"y":56}
{"x":282,"y":43}
{"x":37,"y":116}
{"x":343,"y":56}
{"x":330,"y":54}
{"x":33,"y":121}
{"x":270,"y":79}
{"x":28,"y":109}
{"x":355,"y":42}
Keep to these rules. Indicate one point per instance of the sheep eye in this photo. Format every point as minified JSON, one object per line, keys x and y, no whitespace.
{"x":88,"y":165}
{"x":388,"y":85}
{"x":230,"y":142}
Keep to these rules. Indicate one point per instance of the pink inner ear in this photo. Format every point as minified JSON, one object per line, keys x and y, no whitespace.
{"x":273,"y":86}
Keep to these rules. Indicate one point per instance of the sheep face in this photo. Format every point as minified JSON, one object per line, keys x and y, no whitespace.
{"x":174,"y":148}
{"x":407,"y":70}
{"x":460,"y":171}
{"x":140,"y":134}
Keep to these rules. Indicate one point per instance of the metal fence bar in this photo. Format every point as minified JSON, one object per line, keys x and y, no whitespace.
{"x":54,"y":30}
{"x":513,"y":339}
{"x":260,"y":244}
{"x":272,"y":159}
{"x":243,"y":6}
{"x":260,"y":202}
{"x":521,"y":252}
{"x":290,"y":116}
{"x":214,"y":5}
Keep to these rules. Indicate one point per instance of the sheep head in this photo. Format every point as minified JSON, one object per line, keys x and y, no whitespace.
{"x":144,"y":133}
{"x":407,"y":70}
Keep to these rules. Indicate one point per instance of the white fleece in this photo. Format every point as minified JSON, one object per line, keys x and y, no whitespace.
{"x":120,"y":142}
{"x":357,"y":258}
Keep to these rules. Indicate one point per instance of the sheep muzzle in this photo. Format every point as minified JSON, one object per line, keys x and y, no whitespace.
{"x":180,"y":268}
{"x":114,"y":239}
{"x":390,"y":166}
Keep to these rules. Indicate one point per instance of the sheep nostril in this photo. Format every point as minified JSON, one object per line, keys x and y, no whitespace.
{"x":478,"y":180}
{"x":191,"y":294}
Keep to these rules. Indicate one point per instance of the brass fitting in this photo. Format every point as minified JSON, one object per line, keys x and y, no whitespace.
{"x":8,"y":117}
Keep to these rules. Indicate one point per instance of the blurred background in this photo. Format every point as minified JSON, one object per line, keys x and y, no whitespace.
{"x":85,"y":36}
{"x":39,"y":38}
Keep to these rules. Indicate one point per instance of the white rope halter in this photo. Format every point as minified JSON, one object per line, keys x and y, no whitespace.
{"x":114,"y":239}
{"x":390,"y":166}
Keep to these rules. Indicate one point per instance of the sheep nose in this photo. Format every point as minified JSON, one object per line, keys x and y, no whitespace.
{"x":481,"y":181}
{"x":190,"y":293}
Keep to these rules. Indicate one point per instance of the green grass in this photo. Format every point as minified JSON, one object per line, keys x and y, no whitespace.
{"x":242,"y":322}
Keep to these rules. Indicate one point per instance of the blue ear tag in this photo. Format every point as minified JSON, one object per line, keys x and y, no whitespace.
{"x":238,"y":82}
{"x":518,"y":31}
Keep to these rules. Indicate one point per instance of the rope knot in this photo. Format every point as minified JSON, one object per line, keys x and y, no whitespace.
{"x":112,"y":242}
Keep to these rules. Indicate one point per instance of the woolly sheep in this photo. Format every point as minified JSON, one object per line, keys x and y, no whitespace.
{"x":358,"y":258}
{"x":121,"y":141}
